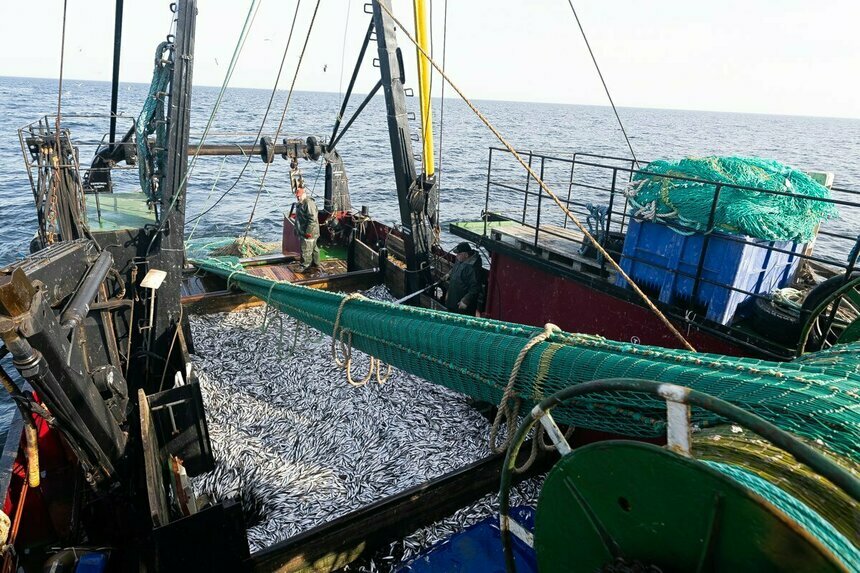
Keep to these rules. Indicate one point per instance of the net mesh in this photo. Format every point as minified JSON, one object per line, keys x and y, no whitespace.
{"x":815,"y":397}
{"x":792,"y":214}
{"x":229,"y":246}
{"x":152,"y":120}
{"x":735,"y":446}
{"x":839,"y":546}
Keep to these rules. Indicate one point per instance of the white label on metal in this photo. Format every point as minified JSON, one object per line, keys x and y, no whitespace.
{"x":555,"y":434}
{"x":672,"y":392}
{"x":524,"y":534}
{"x":678,"y":430}
{"x":153,"y":279}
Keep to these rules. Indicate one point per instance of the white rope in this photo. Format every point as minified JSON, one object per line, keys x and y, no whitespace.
{"x":509,"y":407}
{"x":343,"y":336}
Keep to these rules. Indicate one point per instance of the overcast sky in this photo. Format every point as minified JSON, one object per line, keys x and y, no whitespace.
{"x":764,"y":56}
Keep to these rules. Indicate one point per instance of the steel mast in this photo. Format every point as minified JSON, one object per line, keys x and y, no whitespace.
{"x":416,"y":195}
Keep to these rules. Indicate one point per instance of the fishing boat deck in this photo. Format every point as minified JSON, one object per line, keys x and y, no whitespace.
{"x":552,"y":243}
{"x":260,"y":419}
{"x":203,"y":294}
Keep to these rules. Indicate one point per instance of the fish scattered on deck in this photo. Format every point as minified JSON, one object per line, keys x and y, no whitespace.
{"x":300,"y":446}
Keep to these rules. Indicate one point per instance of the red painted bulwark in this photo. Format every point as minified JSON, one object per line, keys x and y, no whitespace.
{"x":519,"y":292}
{"x":290,"y":243}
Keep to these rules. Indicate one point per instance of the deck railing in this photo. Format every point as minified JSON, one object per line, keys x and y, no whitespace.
{"x":583,"y":181}
{"x":86,"y":178}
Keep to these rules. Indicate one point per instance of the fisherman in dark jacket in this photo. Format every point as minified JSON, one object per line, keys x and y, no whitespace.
{"x":307,"y":228}
{"x":463,"y":284}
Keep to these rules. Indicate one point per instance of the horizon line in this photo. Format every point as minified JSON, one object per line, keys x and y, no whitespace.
{"x":850,"y":118}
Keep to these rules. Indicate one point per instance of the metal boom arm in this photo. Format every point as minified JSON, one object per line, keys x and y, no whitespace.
{"x":411,"y":191}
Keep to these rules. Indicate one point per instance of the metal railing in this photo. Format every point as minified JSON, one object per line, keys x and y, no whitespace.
{"x":594,"y":180}
{"x":40,"y":166}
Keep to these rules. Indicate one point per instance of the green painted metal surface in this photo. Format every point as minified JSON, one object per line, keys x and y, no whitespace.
{"x":643,"y":503}
{"x":333,"y":253}
{"x":119,"y":211}
{"x":478,"y":226}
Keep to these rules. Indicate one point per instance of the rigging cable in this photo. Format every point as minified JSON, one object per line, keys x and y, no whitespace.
{"x":212,"y":190}
{"x":552,"y":195}
{"x":60,"y":89}
{"x":57,"y":132}
{"x":283,"y":116}
{"x":262,"y":123}
{"x":441,"y":109}
{"x":240,"y":45}
{"x":605,"y":87}
{"x":343,"y":51}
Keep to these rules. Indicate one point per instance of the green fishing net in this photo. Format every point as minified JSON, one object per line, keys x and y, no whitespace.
{"x":792,"y":214}
{"x":229,"y":246}
{"x":815,"y":397}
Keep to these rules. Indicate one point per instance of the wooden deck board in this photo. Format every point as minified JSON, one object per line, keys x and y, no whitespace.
{"x":206,"y":294}
{"x":555,"y":244}
{"x":290,"y":271}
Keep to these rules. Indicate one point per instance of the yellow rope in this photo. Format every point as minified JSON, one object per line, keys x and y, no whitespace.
{"x":509,"y":406}
{"x":543,"y":186}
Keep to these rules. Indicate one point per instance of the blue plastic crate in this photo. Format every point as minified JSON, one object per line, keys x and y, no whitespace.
{"x":94,"y":562}
{"x":664,"y":261}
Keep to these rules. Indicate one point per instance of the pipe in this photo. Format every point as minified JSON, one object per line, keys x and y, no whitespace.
{"x":117,"y":50}
{"x":255,"y":149}
{"x":30,"y":432}
{"x":79,"y":306}
{"x":424,"y":84}
{"x":416,"y":293}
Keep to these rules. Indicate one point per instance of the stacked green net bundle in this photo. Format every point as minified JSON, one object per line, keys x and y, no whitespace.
{"x":815,"y":399}
{"x":731,"y":444}
{"x":229,"y":246}
{"x":655,"y":195}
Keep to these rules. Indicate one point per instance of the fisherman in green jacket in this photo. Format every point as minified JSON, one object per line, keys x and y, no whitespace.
{"x":463,"y":284}
{"x":307,"y":228}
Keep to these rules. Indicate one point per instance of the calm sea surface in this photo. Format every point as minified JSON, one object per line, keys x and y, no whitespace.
{"x":809,"y":143}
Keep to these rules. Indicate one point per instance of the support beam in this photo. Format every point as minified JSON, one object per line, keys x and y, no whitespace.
{"x":352,"y":81}
{"x":411,"y":195}
{"x":424,"y":85}
{"x":266,"y":149}
{"x":170,"y":253}
{"x":117,"y":51}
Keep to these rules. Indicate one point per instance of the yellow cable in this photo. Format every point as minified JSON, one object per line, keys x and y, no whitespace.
{"x":543,"y":186}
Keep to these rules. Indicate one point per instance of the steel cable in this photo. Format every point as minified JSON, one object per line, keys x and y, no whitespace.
{"x":283,"y":114}
{"x":240,"y":44}
{"x":552,"y":195}
{"x":605,"y":87}
{"x":262,"y":123}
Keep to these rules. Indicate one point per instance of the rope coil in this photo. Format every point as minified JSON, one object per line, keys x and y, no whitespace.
{"x":344,"y":337}
{"x":509,"y":407}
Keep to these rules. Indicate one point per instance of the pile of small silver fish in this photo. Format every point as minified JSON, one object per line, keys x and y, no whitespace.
{"x":300,"y":446}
